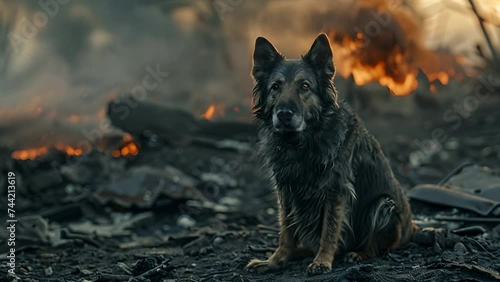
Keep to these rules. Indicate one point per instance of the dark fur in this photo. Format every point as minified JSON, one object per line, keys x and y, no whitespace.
{"x":336,"y":191}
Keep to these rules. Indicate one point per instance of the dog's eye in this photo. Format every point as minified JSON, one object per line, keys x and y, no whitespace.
{"x":304,"y":86}
{"x":275,"y":86}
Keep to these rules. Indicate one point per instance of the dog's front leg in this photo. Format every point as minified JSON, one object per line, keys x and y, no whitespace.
{"x":286,"y":247}
{"x":333,"y":212}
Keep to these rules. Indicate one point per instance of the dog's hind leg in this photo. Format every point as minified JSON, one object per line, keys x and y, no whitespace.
{"x":383,"y":230}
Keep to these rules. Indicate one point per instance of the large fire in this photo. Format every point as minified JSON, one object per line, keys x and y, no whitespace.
{"x":375,"y":44}
{"x":395,"y":68}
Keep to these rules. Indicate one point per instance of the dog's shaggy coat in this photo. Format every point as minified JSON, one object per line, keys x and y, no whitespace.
{"x":336,"y":192}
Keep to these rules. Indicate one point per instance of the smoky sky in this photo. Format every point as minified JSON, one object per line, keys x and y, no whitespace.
{"x":89,"y":52}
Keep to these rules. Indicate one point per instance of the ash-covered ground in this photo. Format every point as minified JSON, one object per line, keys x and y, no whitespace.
{"x":200,"y":209}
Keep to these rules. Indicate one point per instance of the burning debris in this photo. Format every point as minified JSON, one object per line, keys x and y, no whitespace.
{"x":213,"y":111}
{"x":193,"y":201}
{"x":29,"y":153}
{"x":128,"y":148}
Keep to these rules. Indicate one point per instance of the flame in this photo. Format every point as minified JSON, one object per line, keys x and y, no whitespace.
{"x":209,"y":113}
{"x":30,"y":153}
{"x":70,"y":151}
{"x":34,"y":153}
{"x":387,"y":48}
{"x":213,"y":111}
{"x":130,"y":147}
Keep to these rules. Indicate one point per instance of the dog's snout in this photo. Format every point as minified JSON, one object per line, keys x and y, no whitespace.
{"x":285,"y":116}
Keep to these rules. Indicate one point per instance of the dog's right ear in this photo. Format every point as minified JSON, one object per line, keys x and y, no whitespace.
{"x":265,"y":56}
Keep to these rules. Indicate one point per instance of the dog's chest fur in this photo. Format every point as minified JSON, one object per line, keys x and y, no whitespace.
{"x":306,"y":172}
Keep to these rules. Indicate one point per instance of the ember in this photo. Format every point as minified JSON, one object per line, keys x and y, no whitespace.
{"x":129,"y":149}
{"x":214,"y":111}
{"x":30,"y":153}
{"x":70,"y":151}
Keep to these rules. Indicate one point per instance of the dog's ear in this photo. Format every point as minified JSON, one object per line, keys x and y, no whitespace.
{"x":320,"y":55}
{"x":265,"y":56}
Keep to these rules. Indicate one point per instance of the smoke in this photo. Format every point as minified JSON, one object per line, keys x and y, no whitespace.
{"x":55,"y":81}
{"x":58,"y":74}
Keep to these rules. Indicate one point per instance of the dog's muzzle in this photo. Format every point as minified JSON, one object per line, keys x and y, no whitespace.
{"x":285,"y":117}
{"x":286,"y":120}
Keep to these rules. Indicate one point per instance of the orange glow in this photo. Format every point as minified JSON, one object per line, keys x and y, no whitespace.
{"x":433,"y":88}
{"x":213,"y":111}
{"x":127,"y":138}
{"x":209,"y":113}
{"x":130,"y":148}
{"x":30,"y":153}
{"x":74,"y":118}
{"x":133,"y":149}
{"x":70,"y":151}
{"x":101,"y":114}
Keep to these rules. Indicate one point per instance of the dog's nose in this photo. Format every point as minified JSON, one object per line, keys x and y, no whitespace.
{"x":285,"y":116}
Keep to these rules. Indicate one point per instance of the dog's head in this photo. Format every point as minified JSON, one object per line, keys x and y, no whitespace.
{"x":291,"y":95}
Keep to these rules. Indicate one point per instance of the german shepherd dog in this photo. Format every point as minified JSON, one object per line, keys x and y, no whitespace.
{"x":336,"y":191}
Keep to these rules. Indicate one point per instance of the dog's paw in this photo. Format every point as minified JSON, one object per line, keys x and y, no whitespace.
{"x":353,"y":257}
{"x":316,"y":268}
{"x":261,"y":266}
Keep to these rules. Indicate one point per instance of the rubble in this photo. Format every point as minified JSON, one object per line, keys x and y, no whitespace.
{"x":203,"y":208}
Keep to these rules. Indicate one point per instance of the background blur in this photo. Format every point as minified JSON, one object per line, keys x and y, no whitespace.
{"x":62,"y":61}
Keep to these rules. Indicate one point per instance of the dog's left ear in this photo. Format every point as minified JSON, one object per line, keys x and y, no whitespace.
{"x":265,"y":56}
{"x":320,"y":55}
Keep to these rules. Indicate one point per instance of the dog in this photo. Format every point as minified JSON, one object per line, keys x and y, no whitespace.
{"x":337,"y":194}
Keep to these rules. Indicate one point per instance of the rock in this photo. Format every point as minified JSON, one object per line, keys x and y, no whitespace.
{"x":218,"y":241}
{"x":43,"y":180}
{"x":270,"y":211}
{"x":460,"y":249}
{"x":230,"y":201}
{"x":48,"y":271}
{"x":141,"y":186}
{"x":496,"y":232}
{"x":452,"y":144}
{"x":186,"y":221}
{"x":470,"y":231}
